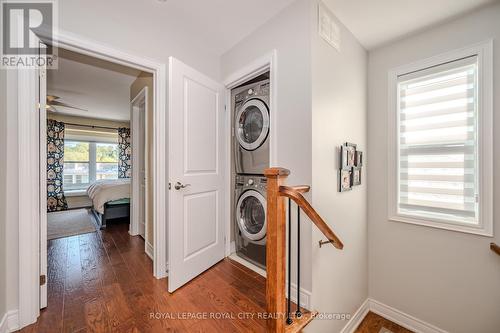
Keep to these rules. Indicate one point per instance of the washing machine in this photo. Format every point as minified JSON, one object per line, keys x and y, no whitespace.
{"x":250,"y":218}
{"x":251,"y":128}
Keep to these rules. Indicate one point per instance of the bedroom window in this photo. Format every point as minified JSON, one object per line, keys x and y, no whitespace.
{"x":86,"y":162}
{"x":442,"y":143}
{"x":106,"y":161}
{"x":76,"y":165}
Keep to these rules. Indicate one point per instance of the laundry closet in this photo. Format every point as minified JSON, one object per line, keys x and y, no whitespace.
{"x":250,"y":114}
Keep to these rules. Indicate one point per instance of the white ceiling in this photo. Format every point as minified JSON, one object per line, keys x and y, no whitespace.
{"x":217,"y":24}
{"x":375,"y":22}
{"x":101,"y":87}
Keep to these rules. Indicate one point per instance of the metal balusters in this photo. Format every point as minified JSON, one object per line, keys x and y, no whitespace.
{"x":289,"y":310}
{"x":298,"y":313}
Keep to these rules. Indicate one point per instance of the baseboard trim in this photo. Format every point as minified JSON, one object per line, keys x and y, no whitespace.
{"x":403,"y":319}
{"x":9,"y":322}
{"x":397,"y":316}
{"x":149,"y":250}
{"x":357,"y":317}
{"x":305,"y":297}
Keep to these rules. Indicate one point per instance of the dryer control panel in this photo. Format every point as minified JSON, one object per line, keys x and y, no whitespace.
{"x":257,"y":90}
{"x":258,"y":182}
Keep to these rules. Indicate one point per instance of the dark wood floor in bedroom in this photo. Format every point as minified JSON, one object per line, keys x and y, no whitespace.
{"x":103,"y":282}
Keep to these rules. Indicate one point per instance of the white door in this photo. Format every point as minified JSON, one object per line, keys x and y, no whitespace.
{"x":142,"y":169}
{"x":196,"y":173}
{"x":139,"y":163}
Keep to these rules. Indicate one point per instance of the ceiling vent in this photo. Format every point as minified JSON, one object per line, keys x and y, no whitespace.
{"x":328,"y":29}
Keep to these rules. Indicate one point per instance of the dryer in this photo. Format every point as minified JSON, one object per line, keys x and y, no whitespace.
{"x":250,"y":219}
{"x":251,"y":128}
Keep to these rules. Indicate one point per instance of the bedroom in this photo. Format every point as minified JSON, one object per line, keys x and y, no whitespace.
{"x":94,"y":109}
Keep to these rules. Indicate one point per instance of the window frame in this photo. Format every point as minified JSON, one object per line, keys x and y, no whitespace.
{"x":484,"y":53}
{"x":92,"y":162}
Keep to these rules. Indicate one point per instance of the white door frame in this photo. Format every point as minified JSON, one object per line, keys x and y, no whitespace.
{"x":268,"y":62}
{"x":134,"y":206}
{"x":28,"y":139}
{"x":42,"y":158}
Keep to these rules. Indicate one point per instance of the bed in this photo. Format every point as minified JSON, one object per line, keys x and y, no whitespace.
{"x":110,"y":199}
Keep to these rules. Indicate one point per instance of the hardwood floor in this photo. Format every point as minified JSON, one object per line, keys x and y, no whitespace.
{"x":373,"y":323}
{"x":103,"y":282}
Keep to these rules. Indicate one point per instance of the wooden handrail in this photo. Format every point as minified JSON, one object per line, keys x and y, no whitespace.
{"x":495,"y":248}
{"x":297,"y":188}
{"x":277,"y":192}
{"x":299,"y":199}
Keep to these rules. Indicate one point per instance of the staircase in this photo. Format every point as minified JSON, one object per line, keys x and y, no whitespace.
{"x":279,"y":308}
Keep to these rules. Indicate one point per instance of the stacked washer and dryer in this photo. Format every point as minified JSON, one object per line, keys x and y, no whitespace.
{"x":251,"y":156}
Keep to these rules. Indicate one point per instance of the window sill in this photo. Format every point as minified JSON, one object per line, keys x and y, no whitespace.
{"x":75,"y":193}
{"x":475,"y":230}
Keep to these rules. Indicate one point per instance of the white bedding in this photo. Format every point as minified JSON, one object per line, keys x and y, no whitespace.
{"x":106,"y":190}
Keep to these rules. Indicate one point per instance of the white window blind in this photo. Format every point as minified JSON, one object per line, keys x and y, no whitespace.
{"x":438,"y":164}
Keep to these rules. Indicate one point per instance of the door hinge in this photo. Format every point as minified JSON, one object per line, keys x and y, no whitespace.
{"x":169,"y":186}
{"x":43,"y":279}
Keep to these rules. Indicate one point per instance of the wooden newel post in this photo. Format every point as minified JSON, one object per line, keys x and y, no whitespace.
{"x":275,"y":250}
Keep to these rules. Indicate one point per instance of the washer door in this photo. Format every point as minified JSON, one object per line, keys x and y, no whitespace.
{"x":251,"y":215}
{"x":252,"y":124}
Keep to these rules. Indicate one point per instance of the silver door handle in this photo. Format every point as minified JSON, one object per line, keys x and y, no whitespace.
{"x":179,"y":185}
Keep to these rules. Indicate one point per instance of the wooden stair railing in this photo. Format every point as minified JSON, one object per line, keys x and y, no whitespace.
{"x":277,"y":193}
{"x":295,"y":193}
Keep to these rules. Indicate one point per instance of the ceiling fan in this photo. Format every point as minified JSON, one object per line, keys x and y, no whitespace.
{"x":53,"y":102}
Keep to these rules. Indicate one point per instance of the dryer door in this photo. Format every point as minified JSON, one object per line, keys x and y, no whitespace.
{"x":251,"y":215}
{"x":252,"y":124}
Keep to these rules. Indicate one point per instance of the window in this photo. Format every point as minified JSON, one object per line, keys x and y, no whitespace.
{"x":76,"y":165}
{"x":106,"y":161}
{"x":85,"y":162}
{"x":443,"y":144}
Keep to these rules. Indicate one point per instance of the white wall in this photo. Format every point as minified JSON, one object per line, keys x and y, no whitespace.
{"x":449,"y":279}
{"x":339,"y":103}
{"x":145,"y":29}
{"x":288,"y":33}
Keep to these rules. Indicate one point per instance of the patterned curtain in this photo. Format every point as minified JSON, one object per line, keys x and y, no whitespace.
{"x":55,"y":163}
{"x":124,"y":165}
